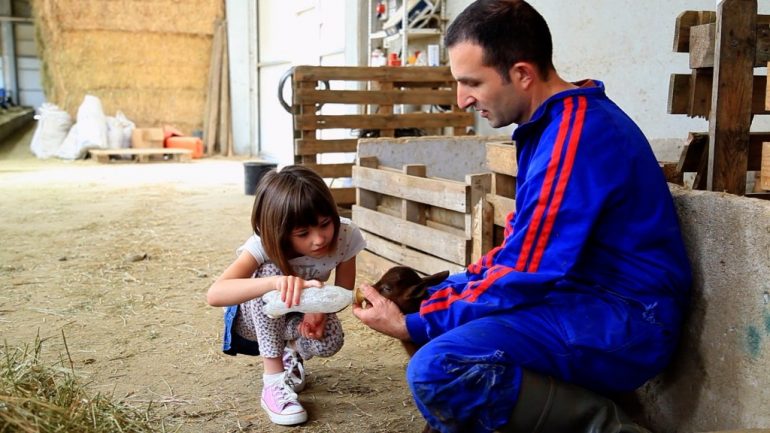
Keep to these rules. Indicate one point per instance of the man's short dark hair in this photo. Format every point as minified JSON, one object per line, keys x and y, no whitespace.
{"x":509,"y":31}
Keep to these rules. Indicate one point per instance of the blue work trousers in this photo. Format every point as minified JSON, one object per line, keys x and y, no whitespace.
{"x":468,"y":379}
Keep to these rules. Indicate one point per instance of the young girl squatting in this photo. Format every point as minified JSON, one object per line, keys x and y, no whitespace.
{"x":299,"y":238}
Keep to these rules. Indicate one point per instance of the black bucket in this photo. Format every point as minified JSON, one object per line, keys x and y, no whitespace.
{"x":253,"y":172}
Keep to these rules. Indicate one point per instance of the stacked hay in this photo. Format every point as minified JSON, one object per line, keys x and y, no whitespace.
{"x":148,"y":59}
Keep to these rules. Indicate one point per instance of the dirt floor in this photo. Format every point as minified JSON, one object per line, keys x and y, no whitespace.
{"x":118,"y":258}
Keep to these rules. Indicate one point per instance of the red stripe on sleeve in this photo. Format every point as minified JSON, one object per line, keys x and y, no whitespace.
{"x":545,"y":190}
{"x":561,"y":186}
{"x":470,"y":294}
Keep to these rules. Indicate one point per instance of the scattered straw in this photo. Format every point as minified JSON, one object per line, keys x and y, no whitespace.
{"x":36,"y":396}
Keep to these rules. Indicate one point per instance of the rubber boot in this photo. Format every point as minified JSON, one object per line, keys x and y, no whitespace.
{"x":547,"y":405}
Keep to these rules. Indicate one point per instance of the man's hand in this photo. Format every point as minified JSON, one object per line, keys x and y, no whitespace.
{"x":382,"y":315}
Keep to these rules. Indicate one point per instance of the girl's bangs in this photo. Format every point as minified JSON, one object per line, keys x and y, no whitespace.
{"x":306,"y":207}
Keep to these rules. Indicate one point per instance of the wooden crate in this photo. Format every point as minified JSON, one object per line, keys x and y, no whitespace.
{"x":501,"y":161}
{"x":425,"y":202}
{"x":328,"y":100}
{"x":409,"y":218}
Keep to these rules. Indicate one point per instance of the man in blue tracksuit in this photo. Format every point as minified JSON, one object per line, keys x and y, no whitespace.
{"x":586,"y":294}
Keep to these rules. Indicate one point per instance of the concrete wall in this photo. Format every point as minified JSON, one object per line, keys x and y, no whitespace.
{"x":628,"y":45}
{"x":445,"y":157}
{"x":721,"y":377}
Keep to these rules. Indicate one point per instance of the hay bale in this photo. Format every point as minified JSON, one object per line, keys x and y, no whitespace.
{"x":149,"y":60}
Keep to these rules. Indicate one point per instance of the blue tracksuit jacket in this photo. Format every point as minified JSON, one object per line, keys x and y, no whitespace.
{"x":593,"y":260}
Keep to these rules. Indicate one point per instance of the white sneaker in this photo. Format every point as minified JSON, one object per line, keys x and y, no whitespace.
{"x":281,"y":404}
{"x":295,"y":369}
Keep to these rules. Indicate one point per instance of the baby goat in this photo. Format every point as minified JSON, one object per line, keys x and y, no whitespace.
{"x":403,"y":286}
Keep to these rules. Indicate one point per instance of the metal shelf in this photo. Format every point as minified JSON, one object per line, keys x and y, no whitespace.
{"x":410,"y":34}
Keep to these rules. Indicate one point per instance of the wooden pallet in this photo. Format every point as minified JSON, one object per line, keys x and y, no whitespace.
{"x":141,"y":155}
{"x":369,"y":97}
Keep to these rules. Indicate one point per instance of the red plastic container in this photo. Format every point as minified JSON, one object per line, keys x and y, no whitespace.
{"x":195,"y":144}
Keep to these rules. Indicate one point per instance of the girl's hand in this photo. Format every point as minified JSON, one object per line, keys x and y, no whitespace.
{"x":313,"y":325}
{"x":291,"y":288}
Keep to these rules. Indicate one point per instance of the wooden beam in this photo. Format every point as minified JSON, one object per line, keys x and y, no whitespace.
{"x":764,"y":178}
{"x":411,"y":210}
{"x":682,"y":99}
{"x":383,"y":121}
{"x":702,"y":46}
{"x":444,"y":193}
{"x":697,"y":143}
{"x":314,"y":147}
{"x":344,"y":196}
{"x":684,"y":21}
{"x":501,"y":158}
{"x":502,"y":206}
{"x":415,"y":74}
{"x":393,"y":96}
{"x":435,"y":242}
{"x":331,"y":170}
{"x":730,"y":117}
{"x":400,"y":254}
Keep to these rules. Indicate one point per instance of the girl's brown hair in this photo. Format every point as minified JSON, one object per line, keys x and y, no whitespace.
{"x":292,"y":198}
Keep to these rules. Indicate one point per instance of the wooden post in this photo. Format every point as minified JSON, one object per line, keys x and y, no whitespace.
{"x":730,"y":117}
{"x":765,"y":173}
{"x":479,"y":217}
{"x":411,"y":210}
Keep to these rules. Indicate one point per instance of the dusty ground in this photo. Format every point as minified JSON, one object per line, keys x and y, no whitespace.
{"x":118,"y":257}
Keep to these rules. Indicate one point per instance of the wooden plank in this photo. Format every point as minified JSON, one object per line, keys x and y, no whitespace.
{"x":344,"y":196}
{"x":370,"y":266}
{"x":445,"y":218}
{"x":393,"y":96}
{"x":501,"y":158}
{"x":479,"y":187}
{"x":503,"y":185}
{"x":730,"y":117}
{"x":670,"y":172}
{"x":697,"y":142}
{"x":365,"y":198}
{"x":144,"y":151}
{"x":684,"y":21}
{"x":501,"y":206}
{"x":689,"y":160}
{"x":314,"y":147}
{"x":764,"y":177}
{"x":332,"y":170}
{"x":363,"y":73}
{"x":225,"y":125}
{"x":701,"y":85}
{"x":447,"y":194}
{"x":211,"y":112}
{"x":435,"y":242}
{"x":482,"y":230}
{"x":383,"y":121}
{"x":309,"y":111}
{"x":400,"y":254}
{"x":385,"y":109}
{"x":680,"y":95}
{"x":412,"y":210}
{"x":141,"y":155}
{"x":702,"y":46}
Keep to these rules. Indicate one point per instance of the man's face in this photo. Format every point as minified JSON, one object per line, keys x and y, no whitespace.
{"x":482,"y":87}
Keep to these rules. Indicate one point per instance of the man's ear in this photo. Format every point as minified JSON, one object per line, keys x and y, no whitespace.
{"x":523,"y":74}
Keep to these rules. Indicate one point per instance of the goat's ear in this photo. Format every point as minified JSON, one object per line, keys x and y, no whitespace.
{"x":432,"y":280}
{"x":418,"y":291}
